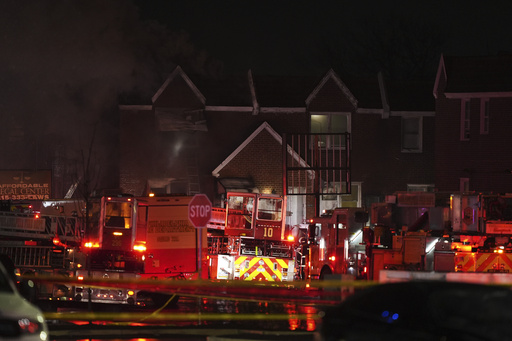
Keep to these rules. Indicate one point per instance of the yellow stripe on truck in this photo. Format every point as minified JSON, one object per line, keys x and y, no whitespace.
{"x":270,"y":268}
{"x":283,"y":263}
{"x":277,"y":272}
{"x":240,"y":259}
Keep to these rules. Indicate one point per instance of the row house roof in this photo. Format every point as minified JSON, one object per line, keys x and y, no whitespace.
{"x":263,"y":91}
{"x":475,"y":75}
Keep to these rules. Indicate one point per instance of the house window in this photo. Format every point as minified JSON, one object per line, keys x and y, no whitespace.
{"x":484,"y":116}
{"x":464,"y":120}
{"x":412,"y":128}
{"x":329,"y":202}
{"x":330,"y":123}
{"x":354,"y":198}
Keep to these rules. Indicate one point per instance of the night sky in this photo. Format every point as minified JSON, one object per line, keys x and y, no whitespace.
{"x":66,"y":65}
{"x":283,"y":37}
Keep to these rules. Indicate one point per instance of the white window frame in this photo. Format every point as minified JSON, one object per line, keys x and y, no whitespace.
{"x":465,"y":119}
{"x":419,"y":149}
{"x":328,"y":202}
{"x":484,"y":116}
{"x":420,"y":187}
{"x":348,"y":115}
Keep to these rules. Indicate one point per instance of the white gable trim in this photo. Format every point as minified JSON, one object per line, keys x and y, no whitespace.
{"x":332,"y":75}
{"x":441,"y":69}
{"x":465,"y":95}
{"x":255,"y":104}
{"x":272,"y":132}
{"x":179,"y":71}
{"x":383,"y":96}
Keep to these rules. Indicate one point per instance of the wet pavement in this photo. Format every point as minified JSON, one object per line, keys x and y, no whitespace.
{"x":188,"y":319}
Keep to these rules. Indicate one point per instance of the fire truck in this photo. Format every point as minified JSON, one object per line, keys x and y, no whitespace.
{"x":334,"y":244}
{"x":27,"y":238}
{"x":406,"y":228}
{"x":74,"y":239}
{"x":442,"y":233}
{"x":110,"y":248}
{"x":171,"y":241}
{"x":482,"y":228}
{"x":171,"y":245}
{"x":249,"y":240}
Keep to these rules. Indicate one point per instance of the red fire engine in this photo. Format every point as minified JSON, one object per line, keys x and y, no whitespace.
{"x":170,"y":239}
{"x":249,"y":240}
{"x":482,"y":225}
{"x":110,"y":249}
{"x":441,"y":233}
{"x":69,"y":238}
{"x":334,"y":244}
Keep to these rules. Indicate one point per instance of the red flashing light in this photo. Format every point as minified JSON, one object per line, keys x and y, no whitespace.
{"x":109,"y":198}
{"x":36,"y":216}
{"x":139,"y":247}
{"x":56,"y":240}
{"x":290,"y":238}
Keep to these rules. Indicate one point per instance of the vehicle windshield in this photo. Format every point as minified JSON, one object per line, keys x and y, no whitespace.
{"x":118,"y":214}
{"x":269,"y":209}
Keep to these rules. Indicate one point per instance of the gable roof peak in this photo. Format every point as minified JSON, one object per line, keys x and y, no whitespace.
{"x":332,"y":75}
{"x":263,"y":126}
{"x":178,"y":72}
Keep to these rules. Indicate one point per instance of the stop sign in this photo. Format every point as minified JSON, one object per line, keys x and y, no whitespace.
{"x":199,"y":210}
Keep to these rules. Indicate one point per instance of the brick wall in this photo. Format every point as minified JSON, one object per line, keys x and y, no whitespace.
{"x":483,"y":159}
{"x":260,"y":161}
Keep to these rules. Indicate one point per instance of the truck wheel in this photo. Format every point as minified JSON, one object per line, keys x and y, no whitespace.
{"x":326,"y":271}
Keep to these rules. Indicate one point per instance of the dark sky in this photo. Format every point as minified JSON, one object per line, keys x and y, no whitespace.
{"x":302,"y":36}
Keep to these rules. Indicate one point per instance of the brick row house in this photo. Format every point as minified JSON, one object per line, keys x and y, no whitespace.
{"x":474,"y":124}
{"x":212,"y":136}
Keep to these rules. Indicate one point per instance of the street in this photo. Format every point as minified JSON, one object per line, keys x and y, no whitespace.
{"x":191,"y":318}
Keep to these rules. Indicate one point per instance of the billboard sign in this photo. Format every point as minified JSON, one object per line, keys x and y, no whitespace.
{"x":25,"y":184}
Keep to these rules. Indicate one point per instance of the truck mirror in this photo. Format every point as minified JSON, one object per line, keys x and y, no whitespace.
{"x":311,"y":233}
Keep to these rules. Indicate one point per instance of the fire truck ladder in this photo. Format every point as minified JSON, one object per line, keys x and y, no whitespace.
{"x":13,"y":225}
{"x":33,"y":256}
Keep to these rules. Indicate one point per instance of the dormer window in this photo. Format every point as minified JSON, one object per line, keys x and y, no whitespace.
{"x":330,"y":123}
